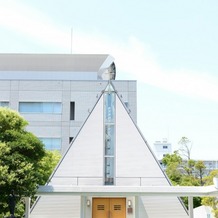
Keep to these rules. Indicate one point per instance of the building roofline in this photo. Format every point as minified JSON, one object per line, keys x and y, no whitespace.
{"x":177,"y":191}
{"x":102,"y":64}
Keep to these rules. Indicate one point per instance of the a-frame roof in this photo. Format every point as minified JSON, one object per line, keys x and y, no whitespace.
{"x":83,"y":165}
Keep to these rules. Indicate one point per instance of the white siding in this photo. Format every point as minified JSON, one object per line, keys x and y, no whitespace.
{"x":136,"y":165}
{"x":85,"y":156}
{"x":133,"y":155}
{"x":164,"y":207}
{"x":50,"y":207}
{"x":141,"y":209}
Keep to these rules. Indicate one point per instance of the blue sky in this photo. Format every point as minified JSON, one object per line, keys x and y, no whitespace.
{"x":170,"y":47}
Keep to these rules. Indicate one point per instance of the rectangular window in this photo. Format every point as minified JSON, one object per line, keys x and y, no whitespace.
{"x":109,"y":136}
{"x":51,"y":143}
{"x":165,"y":146}
{"x":40,"y":107}
{"x":72,"y":110}
{"x":4,"y":104}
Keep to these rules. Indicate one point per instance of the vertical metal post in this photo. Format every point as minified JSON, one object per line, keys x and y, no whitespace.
{"x":27,"y":207}
{"x":190,"y":207}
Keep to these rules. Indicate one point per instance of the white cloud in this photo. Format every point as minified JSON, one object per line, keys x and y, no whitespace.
{"x":31,"y":23}
{"x":136,"y":59}
{"x":133,"y":57}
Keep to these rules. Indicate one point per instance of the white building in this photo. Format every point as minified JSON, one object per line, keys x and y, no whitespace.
{"x":203,"y":212}
{"x":161,"y":148}
{"x":108,"y":166}
{"x":210,"y":165}
{"x":56,"y":92}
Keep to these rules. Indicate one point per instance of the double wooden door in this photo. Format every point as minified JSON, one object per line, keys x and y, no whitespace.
{"x":108,"y":208}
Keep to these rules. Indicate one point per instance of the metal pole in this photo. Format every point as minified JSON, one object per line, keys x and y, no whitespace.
{"x":71,"y":39}
{"x":190,"y":207}
{"x":27,"y":207}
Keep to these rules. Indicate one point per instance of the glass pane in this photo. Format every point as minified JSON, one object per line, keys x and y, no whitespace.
{"x":57,"y":107}
{"x":56,"y":144}
{"x":72,"y":110}
{"x":47,"y":107}
{"x":51,"y":143}
{"x":40,"y":107}
{"x":109,"y":107}
{"x":4,"y":104}
{"x":30,"y":107}
{"x":109,"y":140}
{"x":109,"y":170}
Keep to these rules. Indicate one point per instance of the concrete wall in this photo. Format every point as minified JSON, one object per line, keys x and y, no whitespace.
{"x":84,"y":93}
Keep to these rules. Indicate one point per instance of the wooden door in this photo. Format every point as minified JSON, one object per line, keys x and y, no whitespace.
{"x":109,"y":208}
{"x":118,"y":207}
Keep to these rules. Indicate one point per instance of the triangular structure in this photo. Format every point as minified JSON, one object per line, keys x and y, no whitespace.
{"x":109,"y":150}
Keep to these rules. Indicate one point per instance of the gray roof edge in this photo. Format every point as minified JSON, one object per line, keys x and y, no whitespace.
{"x":53,"y":62}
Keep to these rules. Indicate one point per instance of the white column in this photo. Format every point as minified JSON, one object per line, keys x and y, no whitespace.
{"x":27,"y":207}
{"x":190,"y":206}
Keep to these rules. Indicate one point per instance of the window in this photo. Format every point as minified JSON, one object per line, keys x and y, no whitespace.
{"x":165,"y":146}
{"x":51,"y":143}
{"x":109,"y":136}
{"x":70,"y":139}
{"x":109,"y":140}
{"x":72,"y":110}
{"x":40,"y":107}
{"x":4,"y":104}
{"x":109,"y":170}
{"x":126,"y":104}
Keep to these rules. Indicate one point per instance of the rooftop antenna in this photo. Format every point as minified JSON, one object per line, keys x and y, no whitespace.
{"x":71,"y":40}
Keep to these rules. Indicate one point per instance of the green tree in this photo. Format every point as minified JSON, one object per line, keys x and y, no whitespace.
{"x":172,"y":162}
{"x":188,"y":167}
{"x":211,"y":201}
{"x":200,"y":171}
{"x":172,"y":158}
{"x":190,"y":180}
{"x":181,"y":172}
{"x":47,"y":165}
{"x":23,"y":160}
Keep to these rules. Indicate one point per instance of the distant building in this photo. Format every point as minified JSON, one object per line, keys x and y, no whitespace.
{"x":161,"y":148}
{"x":210,"y":165}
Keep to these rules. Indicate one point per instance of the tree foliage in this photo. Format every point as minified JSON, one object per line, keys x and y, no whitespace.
{"x":184,"y":172}
{"x":211,"y":201}
{"x":200,"y":170}
{"x":172,"y":163}
{"x":24,"y":163}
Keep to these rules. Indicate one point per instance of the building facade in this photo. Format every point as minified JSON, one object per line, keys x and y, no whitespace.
{"x":56,"y":93}
{"x":108,"y":171}
{"x":161,"y":148}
